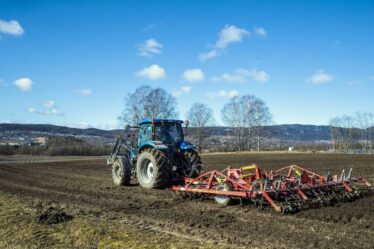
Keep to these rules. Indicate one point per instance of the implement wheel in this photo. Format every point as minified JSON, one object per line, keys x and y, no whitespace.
{"x":223,"y":200}
{"x":153,"y":169}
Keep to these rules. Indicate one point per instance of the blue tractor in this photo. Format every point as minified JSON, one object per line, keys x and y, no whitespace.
{"x":157,"y":158}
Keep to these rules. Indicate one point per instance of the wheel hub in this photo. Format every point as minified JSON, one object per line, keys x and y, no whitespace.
{"x":150,"y":170}
{"x":147,"y":171}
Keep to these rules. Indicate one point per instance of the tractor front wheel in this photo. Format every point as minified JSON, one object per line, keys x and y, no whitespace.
{"x":121,"y":171}
{"x":153,"y":169}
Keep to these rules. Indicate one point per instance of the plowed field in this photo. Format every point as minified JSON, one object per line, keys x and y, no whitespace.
{"x":84,"y":187}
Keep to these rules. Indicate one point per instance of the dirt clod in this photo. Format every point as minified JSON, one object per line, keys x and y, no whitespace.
{"x":53,"y":217}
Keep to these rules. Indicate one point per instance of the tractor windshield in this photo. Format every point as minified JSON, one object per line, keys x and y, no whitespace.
{"x":169,"y":133}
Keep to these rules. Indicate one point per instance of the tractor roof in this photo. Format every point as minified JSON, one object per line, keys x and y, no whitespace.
{"x":159,"y":121}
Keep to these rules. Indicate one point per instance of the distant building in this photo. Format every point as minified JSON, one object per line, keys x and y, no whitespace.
{"x":40,"y":140}
{"x":291,"y":148}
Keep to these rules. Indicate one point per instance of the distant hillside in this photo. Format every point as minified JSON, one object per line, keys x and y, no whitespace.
{"x":55,"y":129}
{"x":287,"y":132}
{"x":302,"y":133}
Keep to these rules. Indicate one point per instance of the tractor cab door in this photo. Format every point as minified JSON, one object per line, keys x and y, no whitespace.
{"x":145,"y":134}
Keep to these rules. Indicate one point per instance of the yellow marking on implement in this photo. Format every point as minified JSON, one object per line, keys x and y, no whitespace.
{"x":247,"y":175}
{"x":297,"y":172}
{"x":253,"y":166}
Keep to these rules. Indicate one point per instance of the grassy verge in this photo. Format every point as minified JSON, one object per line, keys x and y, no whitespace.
{"x":19,"y":229}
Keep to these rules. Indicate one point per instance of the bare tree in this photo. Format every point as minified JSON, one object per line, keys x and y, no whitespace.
{"x":342,"y":132}
{"x":200,"y":116}
{"x":261,"y":116}
{"x":364,"y":121}
{"x":232,"y":115}
{"x":247,"y":113}
{"x":334,"y":130}
{"x":146,"y":102}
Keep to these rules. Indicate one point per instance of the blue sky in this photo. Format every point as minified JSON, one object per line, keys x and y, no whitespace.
{"x":72,"y":62}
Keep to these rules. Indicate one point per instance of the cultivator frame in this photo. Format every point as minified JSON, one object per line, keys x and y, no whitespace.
{"x":287,"y":190}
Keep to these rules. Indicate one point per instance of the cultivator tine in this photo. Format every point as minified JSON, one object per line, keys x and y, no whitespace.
{"x":349,"y":174}
{"x":342,"y":176}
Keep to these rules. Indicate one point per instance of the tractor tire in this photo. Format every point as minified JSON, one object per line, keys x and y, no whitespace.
{"x":153,"y":169}
{"x":194,"y":164}
{"x":121,"y":171}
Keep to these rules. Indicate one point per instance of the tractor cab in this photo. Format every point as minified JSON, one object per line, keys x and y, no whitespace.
{"x":164,"y":130}
{"x":162,"y":134}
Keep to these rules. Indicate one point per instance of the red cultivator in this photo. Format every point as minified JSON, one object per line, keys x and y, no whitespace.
{"x":287,"y":190}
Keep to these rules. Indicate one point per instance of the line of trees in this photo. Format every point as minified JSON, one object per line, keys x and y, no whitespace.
{"x":352,"y":132}
{"x":247,"y":115}
{"x":59,"y":146}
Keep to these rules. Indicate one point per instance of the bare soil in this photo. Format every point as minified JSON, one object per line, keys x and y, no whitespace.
{"x":84,"y":187}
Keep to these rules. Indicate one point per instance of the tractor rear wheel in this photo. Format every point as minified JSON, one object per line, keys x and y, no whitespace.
{"x":121,"y":171}
{"x":193,"y":164}
{"x":153,"y":169}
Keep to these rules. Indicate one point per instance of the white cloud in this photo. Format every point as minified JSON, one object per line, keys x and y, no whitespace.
{"x":56,"y":112}
{"x":194,"y":75}
{"x":48,"y":103}
{"x":25,"y":84}
{"x":11,"y":28}
{"x":222,"y":93}
{"x":52,"y":112}
{"x":150,"y":47}
{"x":260,"y":76}
{"x":109,"y":126}
{"x":83,"y":92}
{"x":256,"y":75}
{"x":209,"y":55}
{"x":229,"y":34}
{"x":181,"y":91}
{"x":242,"y":75}
{"x":154,"y":72}
{"x":231,"y":78}
{"x":260,"y":31}
{"x":320,"y":77}
{"x":371,"y":77}
{"x":49,"y":108}
{"x":32,"y":110}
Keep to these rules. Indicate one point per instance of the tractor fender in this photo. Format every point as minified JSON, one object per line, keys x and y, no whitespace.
{"x":153,"y":144}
